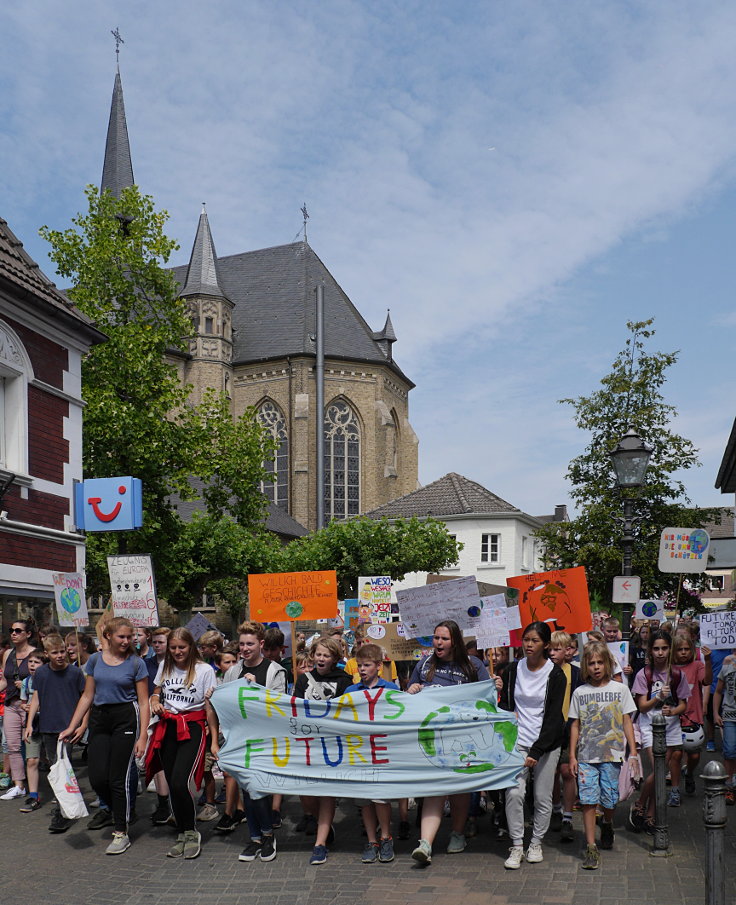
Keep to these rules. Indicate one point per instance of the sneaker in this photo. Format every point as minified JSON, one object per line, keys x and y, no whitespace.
{"x":177,"y":849}
{"x":649,"y":826}
{"x":607,"y":835}
{"x":311,"y":827}
{"x":689,"y":785}
{"x":5,"y":781}
{"x":555,"y":822}
{"x":456,"y":844}
{"x":673,"y":799}
{"x":471,"y":827}
{"x":534,"y":853}
{"x":567,"y":834}
{"x":319,"y":854}
{"x":636,"y":818}
{"x":192,"y":844}
{"x":221,"y":796}
{"x":276,"y":821}
{"x":404,"y":829}
{"x":202,"y":800}
{"x":96,"y":803}
{"x":226,"y":824}
{"x":30,"y":804}
{"x":370,"y":853}
{"x":59,"y":823}
{"x":120,"y":843}
{"x":516,"y":856}
{"x":251,"y":851}
{"x":161,"y":815}
{"x":268,"y":849}
{"x":13,"y":792}
{"x":422,"y":854}
{"x":591,"y":859}
{"x":386,"y":849}
{"x":208,"y":812}
{"x":101,"y":819}
{"x":710,"y":746}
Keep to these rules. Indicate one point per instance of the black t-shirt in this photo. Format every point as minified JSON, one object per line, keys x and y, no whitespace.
{"x":315,"y":687}
{"x":259,"y":672}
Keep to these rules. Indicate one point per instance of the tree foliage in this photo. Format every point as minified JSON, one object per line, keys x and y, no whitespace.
{"x":629,"y":396}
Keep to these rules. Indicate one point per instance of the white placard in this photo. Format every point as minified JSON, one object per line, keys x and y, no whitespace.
{"x":718,"y":630}
{"x":620,"y":652}
{"x":133,"y":589}
{"x":513,"y":618}
{"x":493,"y":630}
{"x":423,"y":607}
{"x":650,"y":609}
{"x":683,"y":550}
{"x":374,"y":598}
{"x":71,"y":602}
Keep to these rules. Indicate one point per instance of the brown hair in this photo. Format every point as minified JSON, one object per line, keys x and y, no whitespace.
{"x":212,"y":637}
{"x":331,"y":644}
{"x":372,"y":652}
{"x":591,"y":649}
{"x":161,"y":630}
{"x":53,"y":642}
{"x":252,"y":628}
{"x":184,"y":635}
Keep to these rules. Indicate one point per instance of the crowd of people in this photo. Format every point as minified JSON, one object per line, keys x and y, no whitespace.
{"x":137,"y":701}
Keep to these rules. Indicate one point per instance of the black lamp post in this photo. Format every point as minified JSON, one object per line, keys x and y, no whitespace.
{"x":630,"y":461}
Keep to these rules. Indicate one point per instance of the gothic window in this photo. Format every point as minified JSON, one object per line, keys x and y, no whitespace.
{"x":272,"y":418}
{"x":342,"y":462}
{"x":15,"y":372}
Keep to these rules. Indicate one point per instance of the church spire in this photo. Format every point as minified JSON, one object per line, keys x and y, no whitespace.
{"x":202,"y":273}
{"x":386,"y":337}
{"x":117,"y":170}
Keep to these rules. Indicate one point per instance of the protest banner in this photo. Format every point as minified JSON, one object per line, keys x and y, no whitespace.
{"x":374,"y":600}
{"x":683,"y":550}
{"x":289,"y":596}
{"x":650,"y":609}
{"x":620,"y":652}
{"x":133,"y":589}
{"x":560,"y":596}
{"x":397,"y":645}
{"x":377,"y":743}
{"x":71,"y":603}
{"x":718,"y":630}
{"x":200,"y":624}
{"x":423,"y":607}
{"x":494,"y":628}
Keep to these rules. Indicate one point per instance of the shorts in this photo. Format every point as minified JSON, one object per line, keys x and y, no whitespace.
{"x":209,"y":761}
{"x":673,"y":733}
{"x":729,"y":739}
{"x":598,"y":784}
{"x":33,"y":747}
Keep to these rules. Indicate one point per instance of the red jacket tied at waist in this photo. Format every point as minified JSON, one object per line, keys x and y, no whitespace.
{"x":158,"y":731}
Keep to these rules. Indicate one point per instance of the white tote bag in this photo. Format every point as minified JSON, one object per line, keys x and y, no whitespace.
{"x":65,"y":786}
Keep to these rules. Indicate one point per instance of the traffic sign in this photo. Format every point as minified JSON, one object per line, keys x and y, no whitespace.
{"x":626,"y":589}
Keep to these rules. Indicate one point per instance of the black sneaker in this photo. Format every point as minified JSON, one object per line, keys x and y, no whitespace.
{"x":689,"y":785}
{"x":555,"y":822}
{"x":607,"y":836}
{"x":101,"y":819}
{"x":276,"y":819}
{"x":226,"y":824}
{"x":30,"y":804}
{"x":161,"y":815}
{"x":567,"y":833}
{"x":239,"y":816}
{"x":636,"y":818}
{"x":59,"y":823}
{"x":268,"y":849}
{"x":251,"y":851}
{"x":404,"y":829}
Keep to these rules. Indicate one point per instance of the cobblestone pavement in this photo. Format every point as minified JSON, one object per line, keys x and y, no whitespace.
{"x":72,"y":869}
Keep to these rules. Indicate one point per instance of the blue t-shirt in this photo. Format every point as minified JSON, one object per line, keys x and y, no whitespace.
{"x":446,"y":673}
{"x":59,"y":691}
{"x":381,"y":683}
{"x":716,"y":661}
{"x":115,"y":684}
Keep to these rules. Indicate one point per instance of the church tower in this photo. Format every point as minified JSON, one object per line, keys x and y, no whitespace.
{"x":117,"y":170}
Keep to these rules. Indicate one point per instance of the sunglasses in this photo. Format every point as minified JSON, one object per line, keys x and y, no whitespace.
{"x":16,"y":631}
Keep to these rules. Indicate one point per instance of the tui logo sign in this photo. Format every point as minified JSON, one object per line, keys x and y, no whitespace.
{"x":109,"y":504}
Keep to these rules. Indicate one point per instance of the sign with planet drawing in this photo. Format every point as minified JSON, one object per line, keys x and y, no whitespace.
{"x":291,"y":596}
{"x":71,"y":603}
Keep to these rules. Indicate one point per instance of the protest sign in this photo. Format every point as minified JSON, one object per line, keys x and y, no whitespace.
{"x":650,"y":609}
{"x":200,"y":624}
{"x":71,"y":603}
{"x":423,"y":607}
{"x":393,"y":639}
{"x":560,"y":596}
{"x":620,"y":652}
{"x":494,"y":628}
{"x":718,"y":630}
{"x":683,"y":550}
{"x":351,"y":612}
{"x":374,"y":601}
{"x":377,"y":743}
{"x":133,"y":589}
{"x":281,"y":596}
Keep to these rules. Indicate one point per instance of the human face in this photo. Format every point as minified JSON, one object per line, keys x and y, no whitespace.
{"x":141,"y":642}
{"x":226,"y":661}
{"x":368,"y":671}
{"x":557,"y":655}
{"x":442,"y":643}
{"x":570,"y":653}
{"x":18,"y":633}
{"x":533,"y":647}
{"x":120,"y":641}
{"x":644,"y":633}
{"x":500,"y":656}
{"x":303,"y":667}
{"x":596,"y":670}
{"x":179,"y":651}
{"x":207,"y":651}
{"x":323,"y":660}
{"x":71,"y":648}
{"x":610,"y":633}
{"x":33,"y":664}
{"x":250,"y":649}
{"x":158,"y":643}
{"x":274,"y":653}
{"x":660,"y":653}
{"x":57,"y":658}
{"x":683,"y":654}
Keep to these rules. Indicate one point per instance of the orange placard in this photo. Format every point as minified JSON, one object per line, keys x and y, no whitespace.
{"x":280,"y":596}
{"x":560,"y":596}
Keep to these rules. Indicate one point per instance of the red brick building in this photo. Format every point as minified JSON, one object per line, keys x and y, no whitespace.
{"x":42,"y":340}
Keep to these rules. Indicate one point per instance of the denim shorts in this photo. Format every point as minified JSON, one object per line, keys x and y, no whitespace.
{"x":598,"y":784}
{"x":729,"y":739}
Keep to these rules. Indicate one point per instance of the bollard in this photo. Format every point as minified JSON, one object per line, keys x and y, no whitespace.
{"x":714,"y":818}
{"x":661,"y":845}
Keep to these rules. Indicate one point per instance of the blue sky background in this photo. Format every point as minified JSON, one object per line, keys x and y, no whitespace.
{"x":514,"y":181}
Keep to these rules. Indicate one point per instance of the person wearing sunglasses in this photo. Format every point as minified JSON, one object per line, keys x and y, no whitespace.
{"x":14,"y":670}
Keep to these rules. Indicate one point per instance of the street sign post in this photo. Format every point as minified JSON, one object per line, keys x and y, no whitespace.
{"x":626,"y":589}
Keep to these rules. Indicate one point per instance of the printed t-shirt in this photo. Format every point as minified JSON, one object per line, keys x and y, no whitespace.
{"x":728,"y":706}
{"x":530,"y":693}
{"x":313,"y":687}
{"x":658,"y":679}
{"x":446,"y":673}
{"x":694,"y":673}
{"x":59,"y":691}
{"x":115,"y":684}
{"x":601,"y":710}
{"x":177,"y":696}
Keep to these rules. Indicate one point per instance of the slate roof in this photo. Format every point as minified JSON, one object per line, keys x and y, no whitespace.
{"x":726,"y":528}
{"x":272,"y":290}
{"x":452,"y":494}
{"x":202,"y":274}
{"x":726,"y":478}
{"x":117,"y":170}
{"x":22,"y":273}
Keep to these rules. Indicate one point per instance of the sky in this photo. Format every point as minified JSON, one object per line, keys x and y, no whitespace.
{"x":514,"y":181}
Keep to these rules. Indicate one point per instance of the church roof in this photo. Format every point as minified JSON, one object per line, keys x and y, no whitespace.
{"x":272,"y":290}
{"x":202,"y":274}
{"x":117,"y":170}
{"x":452,"y":494}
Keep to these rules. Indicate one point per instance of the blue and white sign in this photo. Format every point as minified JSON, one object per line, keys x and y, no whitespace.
{"x":109,"y":504}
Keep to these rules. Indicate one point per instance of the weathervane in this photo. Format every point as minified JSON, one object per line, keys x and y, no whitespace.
{"x":118,"y":42}
{"x":305,"y":214}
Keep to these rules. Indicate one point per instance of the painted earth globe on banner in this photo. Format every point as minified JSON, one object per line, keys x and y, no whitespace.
{"x":698,"y":541}
{"x":465,"y":738}
{"x":71,"y":600}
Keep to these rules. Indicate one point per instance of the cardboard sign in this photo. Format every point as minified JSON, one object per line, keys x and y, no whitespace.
{"x":133,"y":589}
{"x":683,"y":550}
{"x":560,"y":596}
{"x":374,"y":600}
{"x":423,"y":607}
{"x":71,"y":603}
{"x":392,"y":638}
{"x":718,"y":630}
{"x":200,"y":624}
{"x":289,"y":596}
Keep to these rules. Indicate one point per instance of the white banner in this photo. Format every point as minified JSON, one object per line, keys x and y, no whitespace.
{"x":71,"y":603}
{"x":133,"y":589}
{"x":718,"y":630}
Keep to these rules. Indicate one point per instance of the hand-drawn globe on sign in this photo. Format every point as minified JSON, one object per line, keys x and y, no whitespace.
{"x":649,"y":608}
{"x":294,"y":609}
{"x":698,"y":541}
{"x":463,"y":738}
{"x":71,"y":600}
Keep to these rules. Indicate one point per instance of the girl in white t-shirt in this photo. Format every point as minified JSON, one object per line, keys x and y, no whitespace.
{"x":180,"y":702}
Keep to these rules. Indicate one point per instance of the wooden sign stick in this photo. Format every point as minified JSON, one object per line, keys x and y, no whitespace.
{"x":293,"y":652}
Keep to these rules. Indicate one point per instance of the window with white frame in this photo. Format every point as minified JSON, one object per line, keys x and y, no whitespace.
{"x":490,"y":547}
{"x":15,"y":372}
{"x":524,"y":553}
{"x":717,"y":582}
{"x":342,"y":461}
{"x":272,"y":418}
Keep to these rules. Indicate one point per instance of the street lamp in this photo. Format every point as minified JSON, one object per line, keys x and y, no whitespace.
{"x":630,"y":461}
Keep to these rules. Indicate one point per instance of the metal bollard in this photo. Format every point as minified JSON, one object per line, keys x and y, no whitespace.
{"x":714,"y":818}
{"x":661,"y":846}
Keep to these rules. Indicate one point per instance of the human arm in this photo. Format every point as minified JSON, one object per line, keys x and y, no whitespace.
{"x":415,"y":680}
{"x":213,"y":725}
{"x":574,"y":736}
{"x":157,"y":707}
{"x":717,"y":699}
{"x":72,"y":731}
{"x":141,"y":689}
{"x":631,"y":742}
{"x":32,"y":711}
{"x":707,"y":660}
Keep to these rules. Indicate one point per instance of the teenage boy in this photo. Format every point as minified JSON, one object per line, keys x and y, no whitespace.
{"x":369,"y":663}
{"x":57,"y":688}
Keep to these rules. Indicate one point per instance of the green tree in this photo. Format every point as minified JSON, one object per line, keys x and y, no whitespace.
{"x":629,"y":396}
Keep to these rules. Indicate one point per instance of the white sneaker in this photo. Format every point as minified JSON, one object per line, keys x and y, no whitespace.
{"x":534,"y":853}
{"x":13,"y":792}
{"x":208,"y":812}
{"x":516,"y":856}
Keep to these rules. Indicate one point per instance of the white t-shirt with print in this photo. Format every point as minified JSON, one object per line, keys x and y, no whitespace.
{"x":177,"y":696}
{"x":530,"y":693}
{"x":601,"y":709}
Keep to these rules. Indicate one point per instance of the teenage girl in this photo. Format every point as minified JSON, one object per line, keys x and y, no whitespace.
{"x":14,"y":670}
{"x":535,"y":688}
{"x":698,"y":673}
{"x":448,"y":664}
{"x":179,"y":737}
{"x":116,"y":689}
